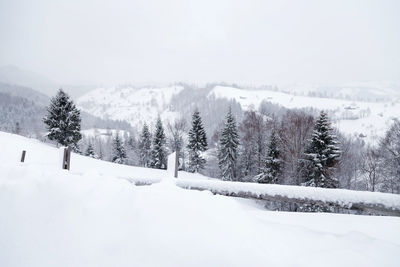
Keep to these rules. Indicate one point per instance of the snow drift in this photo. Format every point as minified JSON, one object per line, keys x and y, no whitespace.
{"x":89,"y":217}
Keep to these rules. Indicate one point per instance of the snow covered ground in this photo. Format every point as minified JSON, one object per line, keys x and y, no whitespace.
{"x":90,"y":217}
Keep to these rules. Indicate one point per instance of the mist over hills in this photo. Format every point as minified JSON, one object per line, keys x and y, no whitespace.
{"x":13,"y":75}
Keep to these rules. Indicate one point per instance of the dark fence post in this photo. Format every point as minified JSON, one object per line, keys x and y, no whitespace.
{"x":176,"y":163}
{"x":23,"y":156}
{"x":67,"y":158}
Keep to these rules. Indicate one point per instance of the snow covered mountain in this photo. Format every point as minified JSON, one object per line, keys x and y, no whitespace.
{"x":364,"y":119}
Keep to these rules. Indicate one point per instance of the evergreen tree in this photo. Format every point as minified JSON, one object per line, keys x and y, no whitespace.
{"x":321,"y":156}
{"x":144,"y":147}
{"x":227,"y":151}
{"x":272,"y":171}
{"x":158,"y":153}
{"x":118,"y":152}
{"x":197,"y":143}
{"x":63,"y":121}
{"x":90,"y":151}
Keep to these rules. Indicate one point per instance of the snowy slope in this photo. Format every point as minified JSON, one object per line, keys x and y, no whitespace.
{"x":90,"y":217}
{"x":371,"y":91}
{"x":351,"y":117}
{"x":135,"y":105}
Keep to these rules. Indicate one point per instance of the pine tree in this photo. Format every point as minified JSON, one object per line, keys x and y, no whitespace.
{"x":145,"y":147}
{"x":321,"y":156}
{"x":63,"y":121}
{"x":158,"y":154}
{"x":228,"y":145}
{"x":272,"y":171}
{"x":197,"y":143}
{"x":90,"y":151}
{"x":118,"y":152}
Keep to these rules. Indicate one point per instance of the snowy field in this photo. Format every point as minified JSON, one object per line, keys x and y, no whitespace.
{"x":90,"y":217}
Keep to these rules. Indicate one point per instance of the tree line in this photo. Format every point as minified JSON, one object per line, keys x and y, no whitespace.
{"x":290,"y":147}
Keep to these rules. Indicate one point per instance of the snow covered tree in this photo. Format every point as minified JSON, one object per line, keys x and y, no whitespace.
{"x":118,"y":151}
{"x":158,"y":153}
{"x":227,"y":151}
{"x":144,"y":147}
{"x":63,"y":121}
{"x":272,"y":171}
{"x":90,"y":151}
{"x":321,"y":156}
{"x":197,"y":143}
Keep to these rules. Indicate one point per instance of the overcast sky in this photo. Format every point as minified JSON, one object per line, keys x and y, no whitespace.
{"x":254,"y":42}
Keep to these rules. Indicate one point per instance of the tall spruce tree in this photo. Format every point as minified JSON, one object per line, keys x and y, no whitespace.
{"x":118,"y":151}
{"x":321,"y":156}
{"x":158,"y":153}
{"x":227,"y":151}
{"x":197,"y":143}
{"x":272,"y":171}
{"x":63,"y":121}
{"x":144,"y":147}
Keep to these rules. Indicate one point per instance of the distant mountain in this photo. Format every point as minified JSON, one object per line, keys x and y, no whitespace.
{"x":13,"y":75}
{"x":25,"y":92}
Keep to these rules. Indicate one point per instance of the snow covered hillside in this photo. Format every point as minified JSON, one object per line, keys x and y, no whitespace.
{"x":90,"y":217}
{"x":135,"y":105}
{"x":352,"y":117}
{"x":368,"y":120}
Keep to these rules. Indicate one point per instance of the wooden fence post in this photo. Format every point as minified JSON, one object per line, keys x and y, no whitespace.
{"x":176,"y":163}
{"x":66,"y":158}
{"x":23,"y":156}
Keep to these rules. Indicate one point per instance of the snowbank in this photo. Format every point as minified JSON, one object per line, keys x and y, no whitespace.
{"x":341,"y":197}
{"x":90,"y":217}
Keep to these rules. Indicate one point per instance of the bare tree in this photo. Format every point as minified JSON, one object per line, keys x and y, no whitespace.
{"x":176,"y":131}
{"x":252,"y":129}
{"x":349,"y":168}
{"x":294,"y":130}
{"x":371,"y":167}
{"x":390,"y":150}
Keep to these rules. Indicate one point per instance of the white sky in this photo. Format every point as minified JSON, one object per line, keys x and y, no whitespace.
{"x":246,"y":41}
